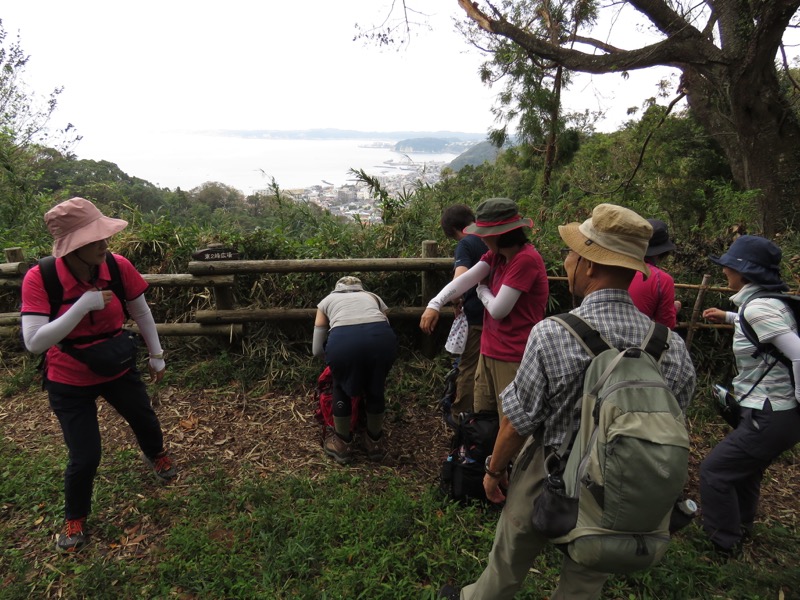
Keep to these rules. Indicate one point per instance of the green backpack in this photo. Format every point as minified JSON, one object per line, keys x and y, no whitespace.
{"x":628,"y":462}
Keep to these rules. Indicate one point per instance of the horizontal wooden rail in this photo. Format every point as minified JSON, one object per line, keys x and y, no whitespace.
{"x":247,"y":315}
{"x":160,"y":280}
{"x":13,"y":269}
{"x":225,"y":320}
{"x":172,"y":329}
{"x":325,"y":265}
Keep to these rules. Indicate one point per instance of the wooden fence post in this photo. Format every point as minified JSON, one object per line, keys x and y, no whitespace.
{"x":430,"y":249}
{"x":698,"y":303}
{"x":14,"y":255}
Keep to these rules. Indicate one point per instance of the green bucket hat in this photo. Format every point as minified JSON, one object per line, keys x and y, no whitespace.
{"x":496,"y":216}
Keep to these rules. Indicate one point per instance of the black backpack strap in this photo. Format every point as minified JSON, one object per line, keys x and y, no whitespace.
{"x":590,"y":338}
{"x":752,"y":337}
{"x":52,"y":285}
{"x":656,"y":340}
{"x":115,"y":285}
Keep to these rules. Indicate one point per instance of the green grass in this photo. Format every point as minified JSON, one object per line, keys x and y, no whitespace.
{"x":337,"y":533}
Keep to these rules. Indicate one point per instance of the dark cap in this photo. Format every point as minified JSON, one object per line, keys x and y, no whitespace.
{"x":659,"y":242}
{"x":757,"y":259}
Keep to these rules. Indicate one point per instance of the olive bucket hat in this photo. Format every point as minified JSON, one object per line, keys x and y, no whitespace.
{"x":496,"y":216}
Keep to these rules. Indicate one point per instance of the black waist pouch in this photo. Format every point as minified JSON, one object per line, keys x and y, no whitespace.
{"x":110,"y":357}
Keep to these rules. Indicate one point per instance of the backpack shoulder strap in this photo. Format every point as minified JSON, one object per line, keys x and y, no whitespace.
{"x":750,"y":333}
{"x":747,"y":329}
{"x":656,"y":340}
{"x":52,"y":285}
{"x":115,"y":285}
{"x":589,"y":338}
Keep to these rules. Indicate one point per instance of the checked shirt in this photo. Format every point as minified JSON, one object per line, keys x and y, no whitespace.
{"x":549,"y":380}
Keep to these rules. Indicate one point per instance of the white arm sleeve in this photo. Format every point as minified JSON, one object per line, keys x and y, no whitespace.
{"x":318,"y":341}
{"x":39,"y":334}
{"x":789,"y":346}
{"x":140,"y":312}
{"x":501,"y":305}
{"x":459,"y":285}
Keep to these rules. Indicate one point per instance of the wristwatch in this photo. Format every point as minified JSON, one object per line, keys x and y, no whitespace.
{"x":488,"y":471}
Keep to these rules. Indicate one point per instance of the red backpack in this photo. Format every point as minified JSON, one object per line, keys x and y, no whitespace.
{"x":324,"y":395}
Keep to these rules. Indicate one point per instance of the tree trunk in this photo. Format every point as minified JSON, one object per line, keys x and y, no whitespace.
{"x":757,"y":131}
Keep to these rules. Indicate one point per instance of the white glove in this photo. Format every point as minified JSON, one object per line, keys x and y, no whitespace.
{"x":484,"y":294}
{"x":157,"y":364}
{"x":92,"y":300}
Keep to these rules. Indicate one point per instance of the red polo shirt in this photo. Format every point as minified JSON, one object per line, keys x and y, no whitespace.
{"x":61,"y":367}
{"x":506,"y":339}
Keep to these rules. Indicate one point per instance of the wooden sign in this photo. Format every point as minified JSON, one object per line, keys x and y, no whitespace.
{"x":209,"y":254}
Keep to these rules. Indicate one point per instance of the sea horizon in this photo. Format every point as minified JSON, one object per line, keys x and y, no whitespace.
{"x":187,"y":160}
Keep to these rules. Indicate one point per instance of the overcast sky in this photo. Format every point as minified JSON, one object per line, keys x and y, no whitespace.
{"x":177,"y":65}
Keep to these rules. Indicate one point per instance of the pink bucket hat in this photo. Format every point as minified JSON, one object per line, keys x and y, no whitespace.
{"x":77,"y":222}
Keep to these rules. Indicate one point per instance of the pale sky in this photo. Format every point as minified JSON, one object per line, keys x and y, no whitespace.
{"x":178,"y":65}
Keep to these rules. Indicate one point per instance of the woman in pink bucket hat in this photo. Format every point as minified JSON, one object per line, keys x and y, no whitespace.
{"x":80,"y":335}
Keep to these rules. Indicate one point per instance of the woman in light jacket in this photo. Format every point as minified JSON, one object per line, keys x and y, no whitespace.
{"x":766,"y":389}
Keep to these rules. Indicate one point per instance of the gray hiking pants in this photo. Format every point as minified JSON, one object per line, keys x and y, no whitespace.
{"x":730,"y":476}
{"x":517,"y":543}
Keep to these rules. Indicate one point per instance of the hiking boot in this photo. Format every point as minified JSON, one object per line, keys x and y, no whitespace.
{"x":162,"y":465}
{"x":376,"y":449}
{"x":747,"y":533}
{"x":72,"y":538}
{"x":449,"y":592}
{"x":723,"y":554}
{"x":337,"y":448}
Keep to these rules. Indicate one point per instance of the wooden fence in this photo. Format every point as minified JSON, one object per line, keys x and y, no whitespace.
{"x":227,"y":320}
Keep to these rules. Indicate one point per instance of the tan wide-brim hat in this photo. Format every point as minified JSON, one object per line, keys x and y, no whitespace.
{"x":77,"y":222}
{"x":614,"y":236}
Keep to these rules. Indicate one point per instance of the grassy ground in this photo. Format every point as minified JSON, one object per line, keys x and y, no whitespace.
{"x":258,"y":512}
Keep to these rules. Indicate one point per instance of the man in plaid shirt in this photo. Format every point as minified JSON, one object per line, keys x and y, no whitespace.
{"x":604,"y":253}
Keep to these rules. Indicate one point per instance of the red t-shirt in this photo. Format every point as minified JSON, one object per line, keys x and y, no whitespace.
{"x":655,"y":297}
{"x":61,"y":367}
{"x":505,"y":339}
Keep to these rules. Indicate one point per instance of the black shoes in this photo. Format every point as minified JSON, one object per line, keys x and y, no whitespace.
{"x":449,"y":593}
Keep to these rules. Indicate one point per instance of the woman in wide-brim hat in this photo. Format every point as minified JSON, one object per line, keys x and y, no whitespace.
{"x":87,"y":313}
{"x":352,"y":332}
{"x":512,"y":285}
{"x":766,"y":389}
{"x":655,"y":295}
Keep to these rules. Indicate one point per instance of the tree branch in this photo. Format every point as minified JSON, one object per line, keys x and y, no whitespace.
{"x":686,"y":46}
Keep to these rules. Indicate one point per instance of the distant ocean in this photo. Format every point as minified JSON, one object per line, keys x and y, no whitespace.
{"x":188,"y":160}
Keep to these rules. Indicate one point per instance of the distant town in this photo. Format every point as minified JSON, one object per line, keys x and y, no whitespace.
{"x":396,"y":176}
{"x":353,"y":199}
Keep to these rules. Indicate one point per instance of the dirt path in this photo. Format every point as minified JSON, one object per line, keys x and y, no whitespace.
{"x":278,"y":434}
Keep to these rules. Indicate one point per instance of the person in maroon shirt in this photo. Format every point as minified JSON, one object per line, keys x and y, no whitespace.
{"x":91,"y":314}
{"x":511,"y":284}
{"x":655,"y":296}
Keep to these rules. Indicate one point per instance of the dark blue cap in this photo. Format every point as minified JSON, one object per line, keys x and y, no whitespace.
{"x":757,"y":259}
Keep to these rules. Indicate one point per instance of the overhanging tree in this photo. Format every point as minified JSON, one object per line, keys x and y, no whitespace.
{"x":726,"y":51}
